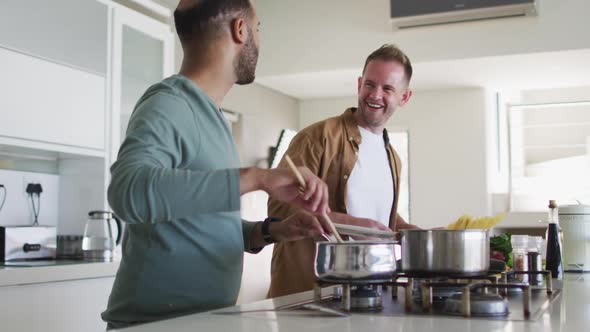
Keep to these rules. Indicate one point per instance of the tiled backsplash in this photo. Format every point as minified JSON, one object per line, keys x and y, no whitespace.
{"x":17,"y":209}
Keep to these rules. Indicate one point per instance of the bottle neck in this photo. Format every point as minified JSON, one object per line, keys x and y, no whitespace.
{"x":553,"y":216}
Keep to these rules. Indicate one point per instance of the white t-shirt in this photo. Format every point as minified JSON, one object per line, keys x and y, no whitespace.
{"x":370,"y":184}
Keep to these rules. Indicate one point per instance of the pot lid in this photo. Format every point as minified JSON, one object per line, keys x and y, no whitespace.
{"x":574,"y":209}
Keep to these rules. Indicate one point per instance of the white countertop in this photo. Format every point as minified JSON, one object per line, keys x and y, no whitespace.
{"x":59,"y":271}
{"x":569,"y":312}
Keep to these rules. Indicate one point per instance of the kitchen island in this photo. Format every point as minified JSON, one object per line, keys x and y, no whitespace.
{"x":568,"y":312}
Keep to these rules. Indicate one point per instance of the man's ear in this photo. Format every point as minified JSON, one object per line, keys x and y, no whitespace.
{"x":360,"y":81}
{"x":239,"y":31}
{"x":405,"y":97}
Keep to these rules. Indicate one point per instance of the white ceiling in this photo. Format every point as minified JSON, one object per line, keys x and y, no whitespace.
{"x":529,"y":71}
{"x":316,"y":49}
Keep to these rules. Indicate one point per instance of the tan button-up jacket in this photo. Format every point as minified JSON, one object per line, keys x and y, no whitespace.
{"x":330,"y":150}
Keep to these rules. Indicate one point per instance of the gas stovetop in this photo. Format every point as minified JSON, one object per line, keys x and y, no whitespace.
{"x":489,"y":297}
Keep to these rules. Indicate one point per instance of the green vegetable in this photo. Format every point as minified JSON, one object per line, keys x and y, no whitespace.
{"x":502,"y":244}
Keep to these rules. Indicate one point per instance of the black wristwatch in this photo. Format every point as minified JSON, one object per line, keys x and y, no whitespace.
{"x":265,"y":231}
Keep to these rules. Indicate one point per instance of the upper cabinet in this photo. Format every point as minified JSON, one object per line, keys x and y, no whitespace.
{"x":143,"y":54}
{"x":47,"y":102}
{"x":71,"y":73}
{"x":54,"y":61}
{"x":70,"y":32}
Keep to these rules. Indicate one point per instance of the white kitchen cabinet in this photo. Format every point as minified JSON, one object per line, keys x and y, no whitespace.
{"x":58,"y":306}
{"x":69,"y":32}
{"x":143,"y":54}
{"x":54,"y":61}
{"x":48,"y":102}
{"x":72,"y":71}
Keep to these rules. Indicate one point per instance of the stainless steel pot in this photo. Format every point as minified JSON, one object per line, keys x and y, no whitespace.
{"x":355,"y":261}
{"x":445,"y":252}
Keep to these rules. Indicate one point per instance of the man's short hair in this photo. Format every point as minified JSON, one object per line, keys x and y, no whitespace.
{"x":390,"y":52}
{"x":205,"y":19}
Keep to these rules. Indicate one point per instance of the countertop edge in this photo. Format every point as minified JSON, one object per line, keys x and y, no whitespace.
{"x":14,"y":276}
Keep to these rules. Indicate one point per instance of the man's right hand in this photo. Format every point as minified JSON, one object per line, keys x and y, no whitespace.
{"x":297,"y":226}
{"x":282,"y":184}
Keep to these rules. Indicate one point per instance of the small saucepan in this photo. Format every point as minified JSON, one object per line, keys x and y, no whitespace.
{"x":355,"y":261}
{"x":445,"y":252}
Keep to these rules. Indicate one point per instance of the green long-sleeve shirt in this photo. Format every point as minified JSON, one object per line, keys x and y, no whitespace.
{"x":176,"y":185}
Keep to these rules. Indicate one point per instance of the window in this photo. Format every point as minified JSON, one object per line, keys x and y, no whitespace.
{"x":278,"y":151}
{"x":549,"y":154}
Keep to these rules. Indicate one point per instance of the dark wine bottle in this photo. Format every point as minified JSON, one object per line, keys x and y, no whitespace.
{"x":554,"y":263}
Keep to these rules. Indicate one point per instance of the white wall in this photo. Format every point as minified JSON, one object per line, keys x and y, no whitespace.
{"x":18,"y":210}
{"x":314,"y":110}
{"x":264,"y":113}
{"x":447,"y":150}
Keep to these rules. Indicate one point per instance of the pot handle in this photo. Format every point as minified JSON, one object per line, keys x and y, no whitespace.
{"x":119,"y":230}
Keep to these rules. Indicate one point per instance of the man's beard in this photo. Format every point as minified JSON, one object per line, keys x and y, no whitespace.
{"x":371,"y":120}
{"x":245,"y":64}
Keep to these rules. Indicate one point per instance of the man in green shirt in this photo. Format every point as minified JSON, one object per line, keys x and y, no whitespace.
{"x":177,"y":180}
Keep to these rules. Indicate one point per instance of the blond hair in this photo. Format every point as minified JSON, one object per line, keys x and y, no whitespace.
{"x":390,"y":52}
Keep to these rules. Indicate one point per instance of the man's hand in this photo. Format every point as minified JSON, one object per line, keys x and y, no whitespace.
{"x":281,"y":184}
{"x":299,"y":225}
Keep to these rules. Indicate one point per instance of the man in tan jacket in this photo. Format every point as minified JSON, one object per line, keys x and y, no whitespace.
{"x":352,"y":154}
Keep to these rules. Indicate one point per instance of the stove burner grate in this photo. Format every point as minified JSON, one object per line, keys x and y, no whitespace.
{"x":482,"y":305}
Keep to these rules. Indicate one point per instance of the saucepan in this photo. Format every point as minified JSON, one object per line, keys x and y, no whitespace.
{"x":445,"y":252}
{"x":355,"y":261}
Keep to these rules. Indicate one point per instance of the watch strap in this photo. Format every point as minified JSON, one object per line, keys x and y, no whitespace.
{"x":266,"y":231}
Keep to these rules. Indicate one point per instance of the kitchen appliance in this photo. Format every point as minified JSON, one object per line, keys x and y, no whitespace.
{"x":27,"y":242}
{"x":574,"y":220}
{"x":445,"y":252}
{"x":98,"y":242}
{"x":355,"y":260}
{"x":411,"y":13}
{"x":485,"y":297}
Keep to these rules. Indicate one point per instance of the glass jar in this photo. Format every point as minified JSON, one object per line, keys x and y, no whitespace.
{"x":520,"y":246}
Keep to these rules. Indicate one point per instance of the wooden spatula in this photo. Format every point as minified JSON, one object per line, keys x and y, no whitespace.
{"x":303,"y":185}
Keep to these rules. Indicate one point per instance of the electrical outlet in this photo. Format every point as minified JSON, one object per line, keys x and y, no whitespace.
{"x":34,"y":188}
{"x":31,"y":185}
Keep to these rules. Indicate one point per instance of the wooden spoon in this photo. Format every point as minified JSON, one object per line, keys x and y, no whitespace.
{"x":303,"y":185}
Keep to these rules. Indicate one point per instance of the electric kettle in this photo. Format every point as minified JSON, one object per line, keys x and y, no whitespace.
{"x":574,"y":220}
{"x":98,"y":242}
